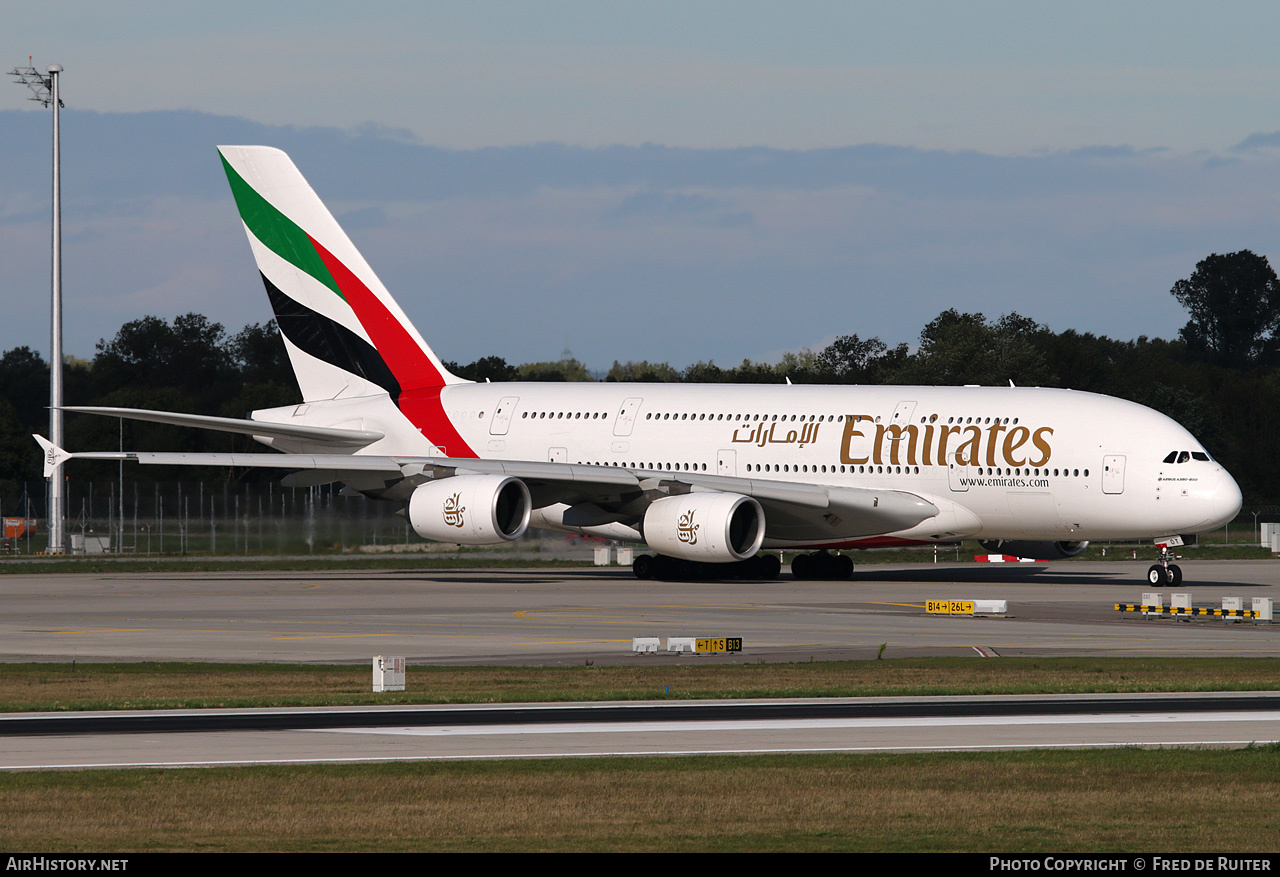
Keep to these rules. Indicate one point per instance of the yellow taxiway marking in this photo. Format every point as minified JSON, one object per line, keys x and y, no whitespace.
{"x":591,"y":612}
{"x":108,"y":630}
{"x":564,"y":642}
{"x":340,"y":636}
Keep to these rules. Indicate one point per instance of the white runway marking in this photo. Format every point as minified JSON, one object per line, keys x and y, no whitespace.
{"x":806,"y":724}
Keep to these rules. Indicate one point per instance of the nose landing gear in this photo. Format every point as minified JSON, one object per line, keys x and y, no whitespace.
{"x":1164,"y":572}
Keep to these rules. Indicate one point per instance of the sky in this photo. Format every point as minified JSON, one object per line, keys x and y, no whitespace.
{"x":663,"y":181}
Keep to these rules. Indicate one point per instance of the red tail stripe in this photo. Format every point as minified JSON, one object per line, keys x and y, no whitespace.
{"x":420,"y":381}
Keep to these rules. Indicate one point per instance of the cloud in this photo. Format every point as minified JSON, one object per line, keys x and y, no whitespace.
{"x":1259,"y":140}
{"x":506,"y":250}
{"x":695,"y":208}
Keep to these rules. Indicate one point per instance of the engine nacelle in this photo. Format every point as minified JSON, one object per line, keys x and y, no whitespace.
{"x":711,"y":527}
{"x":471,"y":509}
{"x":1037,"y":550}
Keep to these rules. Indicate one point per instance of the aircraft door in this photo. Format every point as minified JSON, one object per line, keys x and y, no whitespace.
{"x":627,"y":416}
{"x":502,"y":415}
{"x":902,"y":413}
{"x":1113,"y":474}
{"x":957,"y":473}
{"x":727,"y":463}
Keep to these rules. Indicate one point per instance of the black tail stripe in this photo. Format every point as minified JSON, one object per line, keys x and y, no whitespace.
{"x":328,"y":341}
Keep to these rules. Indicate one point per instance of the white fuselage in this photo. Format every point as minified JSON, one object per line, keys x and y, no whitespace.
{"x":999,"y":463}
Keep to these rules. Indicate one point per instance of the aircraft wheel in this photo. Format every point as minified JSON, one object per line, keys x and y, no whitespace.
{"x":1156,"y":576}
{"x":801,"y":567}
{"x":664,"y":568}
{"x":642,"y":566}
{"x":1175,"y":575}
{"x":844,"y":567}
{"x":770,"y":566}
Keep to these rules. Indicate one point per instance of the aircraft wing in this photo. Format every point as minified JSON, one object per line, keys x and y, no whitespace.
{"x":791,"y":506}
{"x":352,"y":438}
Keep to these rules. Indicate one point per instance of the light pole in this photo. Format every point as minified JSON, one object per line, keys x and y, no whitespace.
{"x":45,"y":90}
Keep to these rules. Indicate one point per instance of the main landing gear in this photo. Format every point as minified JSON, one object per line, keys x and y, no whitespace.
{"x":672,"y":569}
{"x":1163,"y":572}
{"x":821,"y":566}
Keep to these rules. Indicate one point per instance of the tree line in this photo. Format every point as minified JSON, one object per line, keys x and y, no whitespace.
{"x":1219,"y":378}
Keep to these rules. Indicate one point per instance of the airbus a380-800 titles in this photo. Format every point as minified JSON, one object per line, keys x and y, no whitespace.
{"x":707,"y":476}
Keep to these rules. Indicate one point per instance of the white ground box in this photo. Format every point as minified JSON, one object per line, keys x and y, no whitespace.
{"x":602,"y":556}
{"x":1232,"y":604}
{"x":1150,"y":598}
{"x":990,"y":607}
{"x":388,"y":673}
{"x":645,"y":645}
{"x":1263,"y":606}
{"x":626,"y":556}
{"x":81,"y":544}
{"x":682,"y":644}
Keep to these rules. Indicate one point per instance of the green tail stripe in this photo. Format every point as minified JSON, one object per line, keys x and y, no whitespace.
{"x":277,"y":232}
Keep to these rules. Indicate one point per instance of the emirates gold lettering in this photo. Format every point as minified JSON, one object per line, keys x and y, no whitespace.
{"x":930,"y":445}
{"x":453,"y":510}
{"x":850,"y":431}
{"x":686,"y":529}
{"x":1016,"y":438}
{"x":896,"y":436}
{"x":967,"y":454}
{"x":1042,"y":444}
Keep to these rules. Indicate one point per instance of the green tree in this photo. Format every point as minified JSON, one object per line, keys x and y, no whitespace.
{"x":851,"y":360}
{"x":486,"y":368}
{"x":958,"y":348}
{"x":1234,"y":303}
{"x":642,"y":372}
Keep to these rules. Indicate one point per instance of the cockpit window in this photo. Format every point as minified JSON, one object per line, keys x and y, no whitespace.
{"x":1200,"y":455}
{"x":1184,"y":456}
{"x":1173,"y":455}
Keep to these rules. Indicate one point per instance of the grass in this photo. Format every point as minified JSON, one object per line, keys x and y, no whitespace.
{"x":1080,"y":801}
{"x":56,"y":687}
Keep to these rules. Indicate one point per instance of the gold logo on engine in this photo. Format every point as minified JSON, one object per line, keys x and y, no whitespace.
{"x":686,"y":529}
{"x":453,"y":510}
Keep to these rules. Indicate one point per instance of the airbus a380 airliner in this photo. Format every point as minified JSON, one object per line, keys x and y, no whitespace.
{"x":704,"y":474}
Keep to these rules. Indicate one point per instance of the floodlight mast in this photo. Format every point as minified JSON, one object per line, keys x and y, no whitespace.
{"x":45,"y":90}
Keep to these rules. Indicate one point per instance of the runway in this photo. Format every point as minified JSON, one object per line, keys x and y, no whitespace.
{"x":588,"y":615}
{"x":633,"y":729}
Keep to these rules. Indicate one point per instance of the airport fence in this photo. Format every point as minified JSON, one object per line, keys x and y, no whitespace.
{"x":205,"y":518}
{"x":176,"y":518}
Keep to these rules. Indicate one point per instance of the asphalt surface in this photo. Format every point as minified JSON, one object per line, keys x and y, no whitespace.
{"x":433,"y":733}
{"x":591,"y":615}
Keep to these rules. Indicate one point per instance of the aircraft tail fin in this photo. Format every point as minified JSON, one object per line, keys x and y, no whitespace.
{"x":345,"y":334}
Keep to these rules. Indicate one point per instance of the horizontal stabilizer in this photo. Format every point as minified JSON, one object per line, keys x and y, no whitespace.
{"x":54,"y":456}
{"x":347,"y":438}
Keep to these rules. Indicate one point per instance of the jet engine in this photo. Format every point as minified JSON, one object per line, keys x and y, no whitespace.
{"x":1037,"y":550}
{"x":471,"y":509}
{"x":712,"y":527}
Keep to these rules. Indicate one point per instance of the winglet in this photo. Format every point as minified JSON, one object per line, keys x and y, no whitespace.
{"x":54,"y":456}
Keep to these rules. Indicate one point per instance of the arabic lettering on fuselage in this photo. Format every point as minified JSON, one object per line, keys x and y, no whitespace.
{"x":931,"y":444}
{"x":762,"y":436}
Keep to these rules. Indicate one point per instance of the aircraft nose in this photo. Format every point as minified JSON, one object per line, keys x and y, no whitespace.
{"x":1224,"y":500}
